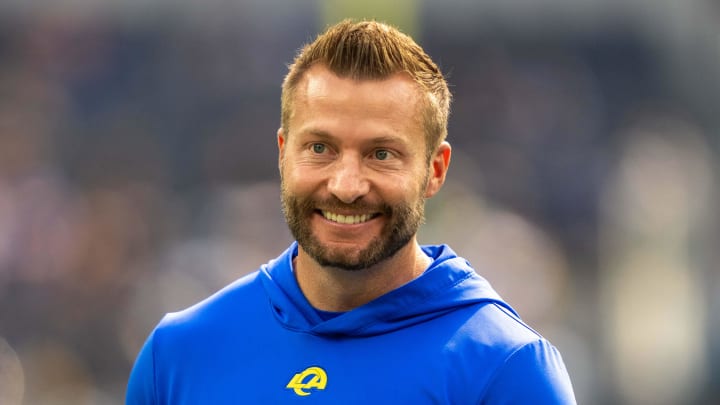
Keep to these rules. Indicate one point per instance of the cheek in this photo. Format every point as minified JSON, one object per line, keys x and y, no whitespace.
{"x":408,"y":182}
{"x":402,"y":190}
{"x":298,"y":181}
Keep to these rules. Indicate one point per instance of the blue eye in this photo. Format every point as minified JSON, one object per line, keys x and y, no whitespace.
{"x":382,"y":154}
{"x":318,"y":148}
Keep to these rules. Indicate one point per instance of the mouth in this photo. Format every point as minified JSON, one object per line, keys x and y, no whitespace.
{"x":347,"y":219}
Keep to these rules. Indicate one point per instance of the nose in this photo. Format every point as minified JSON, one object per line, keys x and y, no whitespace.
{"x":347,"y":179}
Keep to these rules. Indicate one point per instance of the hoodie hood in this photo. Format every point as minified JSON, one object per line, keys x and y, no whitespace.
{"x":449,"y":283}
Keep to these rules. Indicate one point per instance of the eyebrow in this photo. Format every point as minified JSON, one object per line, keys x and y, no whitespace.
{"x":319,"y":133}
{"x":380,"y":140}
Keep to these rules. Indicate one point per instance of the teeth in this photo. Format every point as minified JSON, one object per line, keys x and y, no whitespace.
{"x":345,"y":219}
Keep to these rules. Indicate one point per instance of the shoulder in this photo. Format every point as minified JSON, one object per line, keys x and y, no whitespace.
{"x":186,"y":342}
{"x":183,"y":337}
{"x":524,"y":367}
{"x":496,"y":327}
{"x":534,"y":373}
{"x":236,"y":299}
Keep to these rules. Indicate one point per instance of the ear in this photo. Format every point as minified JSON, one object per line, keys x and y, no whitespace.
{"x":281,"y":145}
{"x":439,"y":164}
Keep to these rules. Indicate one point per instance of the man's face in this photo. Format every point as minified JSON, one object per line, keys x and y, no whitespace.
{"x":353,"y":168}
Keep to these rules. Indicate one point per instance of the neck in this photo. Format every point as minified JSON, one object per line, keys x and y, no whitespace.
{"x":333,"y":289}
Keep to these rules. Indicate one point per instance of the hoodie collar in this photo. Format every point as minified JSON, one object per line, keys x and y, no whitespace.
{"x":448,"y":283}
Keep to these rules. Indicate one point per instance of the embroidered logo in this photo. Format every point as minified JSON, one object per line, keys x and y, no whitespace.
{"x":310,"y":378}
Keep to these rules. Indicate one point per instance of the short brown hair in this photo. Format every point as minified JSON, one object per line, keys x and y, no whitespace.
{"x":370,"y":50}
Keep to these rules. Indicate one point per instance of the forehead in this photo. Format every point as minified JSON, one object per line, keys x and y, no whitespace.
{"x":323,"y":98}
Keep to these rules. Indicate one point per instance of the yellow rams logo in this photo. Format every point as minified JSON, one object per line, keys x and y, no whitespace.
{"x":311,"y":377}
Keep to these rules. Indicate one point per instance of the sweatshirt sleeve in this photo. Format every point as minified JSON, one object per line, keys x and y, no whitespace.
{"x":534,"y":374}
{"x":141,"y":385}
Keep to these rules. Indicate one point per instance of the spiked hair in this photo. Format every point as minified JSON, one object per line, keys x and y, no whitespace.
{"x":370,"y":50}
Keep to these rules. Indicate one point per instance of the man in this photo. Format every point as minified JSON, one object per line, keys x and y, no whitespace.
{"x":356,"y":311}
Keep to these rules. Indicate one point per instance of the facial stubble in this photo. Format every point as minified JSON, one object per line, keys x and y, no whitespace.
{"x":402,"y":223}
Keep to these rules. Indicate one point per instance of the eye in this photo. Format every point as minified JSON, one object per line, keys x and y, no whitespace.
{"x":318,"y":148}
{"x":382,"y":154}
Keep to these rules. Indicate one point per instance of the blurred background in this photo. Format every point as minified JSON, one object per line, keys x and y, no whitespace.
{"x":138,"y":174}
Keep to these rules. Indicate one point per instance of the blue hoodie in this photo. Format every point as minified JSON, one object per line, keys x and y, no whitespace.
{"x":443,"y":338}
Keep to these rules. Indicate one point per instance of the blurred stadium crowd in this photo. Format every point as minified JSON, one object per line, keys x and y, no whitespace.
{"x":138,"y":174}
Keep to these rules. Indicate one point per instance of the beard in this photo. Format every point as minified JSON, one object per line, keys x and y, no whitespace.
{"x":404,"y":219}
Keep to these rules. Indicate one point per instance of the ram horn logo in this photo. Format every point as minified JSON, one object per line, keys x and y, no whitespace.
{"x":311,"y":377}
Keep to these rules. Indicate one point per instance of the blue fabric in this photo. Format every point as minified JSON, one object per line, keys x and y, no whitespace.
{"x":444,"y":338}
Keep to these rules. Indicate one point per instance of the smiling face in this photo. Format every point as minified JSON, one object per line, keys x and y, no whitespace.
{"x":354,"y":168}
